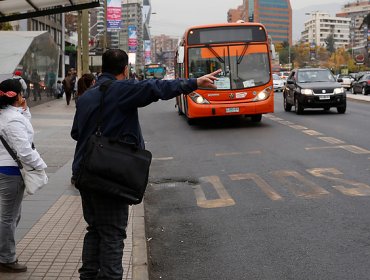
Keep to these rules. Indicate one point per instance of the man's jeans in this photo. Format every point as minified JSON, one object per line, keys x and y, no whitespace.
{"x":11,"y":195}
{"x":103,"y":244}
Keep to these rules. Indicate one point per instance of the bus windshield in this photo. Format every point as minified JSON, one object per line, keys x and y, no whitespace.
{"x":154,"y":71}
{"x":243,"y":66}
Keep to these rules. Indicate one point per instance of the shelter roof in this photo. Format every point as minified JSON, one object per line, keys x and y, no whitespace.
{"x":20,"y":9}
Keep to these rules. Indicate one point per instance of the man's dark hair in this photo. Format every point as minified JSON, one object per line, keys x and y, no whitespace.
{"x":114,"y":61}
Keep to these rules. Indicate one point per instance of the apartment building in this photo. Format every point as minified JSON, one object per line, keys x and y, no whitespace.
{"x":321,"y":25}
{"x":275,"y":15}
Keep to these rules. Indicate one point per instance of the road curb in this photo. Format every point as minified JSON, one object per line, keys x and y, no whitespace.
{"x":139,"y":248}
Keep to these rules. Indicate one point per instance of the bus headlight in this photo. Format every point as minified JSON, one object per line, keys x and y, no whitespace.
{"x":338,"y":90}
{"x":197,"y":98}
{"x":263,"y":95}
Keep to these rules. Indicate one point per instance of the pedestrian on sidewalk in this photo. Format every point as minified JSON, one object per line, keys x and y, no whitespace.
{"x":107,"y":216}
{"x":17,"y":131}
{"x":68,"y":85}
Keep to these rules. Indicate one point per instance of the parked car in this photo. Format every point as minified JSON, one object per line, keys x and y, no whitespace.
{"x":278,"y":83}
{"x":347,"y":81}
{"x":314,"y":88}
{"x":362,"y":85}
{"x":284,"y":75}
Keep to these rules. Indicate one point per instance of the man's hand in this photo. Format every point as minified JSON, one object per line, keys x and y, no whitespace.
{"x":206,"y":81}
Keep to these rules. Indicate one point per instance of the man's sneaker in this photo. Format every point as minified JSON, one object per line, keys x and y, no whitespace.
{"x":13,"y":267}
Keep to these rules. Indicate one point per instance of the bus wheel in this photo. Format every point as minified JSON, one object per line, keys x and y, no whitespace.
{"x":256,"y":118}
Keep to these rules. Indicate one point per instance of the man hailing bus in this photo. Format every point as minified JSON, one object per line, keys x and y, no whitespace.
{"x":107,"y":216}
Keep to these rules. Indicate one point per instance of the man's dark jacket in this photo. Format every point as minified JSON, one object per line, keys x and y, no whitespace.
{"x":121,"y":102}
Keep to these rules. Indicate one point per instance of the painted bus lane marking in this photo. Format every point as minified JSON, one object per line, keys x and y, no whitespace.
{"x":359,"y":189}
{"x":305,"y":188}
{"x":262,"y":184}
{"x":225,"y":199}
{"x":350,"y":148}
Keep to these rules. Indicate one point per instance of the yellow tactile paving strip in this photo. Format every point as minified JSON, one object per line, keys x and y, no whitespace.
{"x":52,"y":248}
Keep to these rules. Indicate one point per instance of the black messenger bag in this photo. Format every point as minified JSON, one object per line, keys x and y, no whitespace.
{"x":114,"y":166}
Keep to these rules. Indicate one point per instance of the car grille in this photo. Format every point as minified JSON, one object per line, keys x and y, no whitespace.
{"x":327,"y":90}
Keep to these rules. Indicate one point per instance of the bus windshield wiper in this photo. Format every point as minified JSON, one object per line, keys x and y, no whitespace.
{"x":215,"y":54}
{"x":240,"y":58}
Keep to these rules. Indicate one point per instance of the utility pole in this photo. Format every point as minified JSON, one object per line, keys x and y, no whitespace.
{"x":105,"y":27}
{"x":79,"y":31}
{"x":85,"y":41}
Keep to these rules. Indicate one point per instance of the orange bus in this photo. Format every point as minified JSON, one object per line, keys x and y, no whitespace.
{"x":244,"y":86}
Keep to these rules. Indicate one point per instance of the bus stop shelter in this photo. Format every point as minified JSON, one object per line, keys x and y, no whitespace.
{"x":11,"y":10}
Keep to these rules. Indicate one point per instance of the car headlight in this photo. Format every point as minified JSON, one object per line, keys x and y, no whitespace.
{"x":263,"y":95}
{"x":197,"y":98}
{"x":338,"y":90}
{"x":307,"y":91}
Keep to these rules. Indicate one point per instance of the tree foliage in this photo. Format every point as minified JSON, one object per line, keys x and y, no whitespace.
{"x":330,"y":43}
{"x":5,"y":26}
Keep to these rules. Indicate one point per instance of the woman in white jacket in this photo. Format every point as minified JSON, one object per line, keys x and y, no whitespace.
{"x":17,"y":131}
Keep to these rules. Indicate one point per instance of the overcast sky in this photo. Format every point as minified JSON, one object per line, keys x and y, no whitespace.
{"x":174,"y":16}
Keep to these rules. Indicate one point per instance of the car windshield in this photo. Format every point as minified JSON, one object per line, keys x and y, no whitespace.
{"x":311,"y":76}
{"x":243,"y":66}
{"x":276,"y":77}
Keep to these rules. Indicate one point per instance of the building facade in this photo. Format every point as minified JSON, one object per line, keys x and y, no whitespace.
{"x":356,"y":12}
{"x":322,"y":25}
{"x":233,"y":15}
{"x":275,"y":15}
{"x":163,"y":50}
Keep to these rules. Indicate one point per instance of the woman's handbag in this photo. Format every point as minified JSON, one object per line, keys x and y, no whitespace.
{"x":114,"y":166}
{"x":33,"y":179}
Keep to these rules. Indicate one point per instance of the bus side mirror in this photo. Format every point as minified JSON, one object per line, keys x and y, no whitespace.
{"x":180,"y":54}
{"x":273,"y":52}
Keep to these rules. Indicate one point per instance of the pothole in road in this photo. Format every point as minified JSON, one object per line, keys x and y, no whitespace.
{"x":163,"y":183}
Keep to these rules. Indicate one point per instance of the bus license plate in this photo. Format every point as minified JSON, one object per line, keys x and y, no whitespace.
{"x":324,"y":97}
{"x":232,"y":110}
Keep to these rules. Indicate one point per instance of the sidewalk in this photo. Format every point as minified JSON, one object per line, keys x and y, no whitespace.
{"x":358,"y":97}
{"x":51,"y":231}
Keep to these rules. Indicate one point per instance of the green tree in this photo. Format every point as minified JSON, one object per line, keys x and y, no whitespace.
{"x":5,"y":26}
{"x":330,"y":43}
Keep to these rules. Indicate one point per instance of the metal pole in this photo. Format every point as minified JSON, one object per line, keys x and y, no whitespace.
{"x":85,"y":41}
{"x":79,"y":62}
{"x":105,"y":27}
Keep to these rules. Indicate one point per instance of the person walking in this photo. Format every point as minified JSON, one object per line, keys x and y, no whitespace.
{"x":106,"y":216}
{"x":17,"y":131}
{"x":68,"y":86}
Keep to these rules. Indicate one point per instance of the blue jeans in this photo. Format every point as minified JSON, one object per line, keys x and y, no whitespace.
{"x":11,"y":195}
{"x":103,"y":243}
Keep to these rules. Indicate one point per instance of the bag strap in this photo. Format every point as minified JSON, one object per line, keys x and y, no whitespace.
{"x":103,"y":88}
{"x":11,"y":152}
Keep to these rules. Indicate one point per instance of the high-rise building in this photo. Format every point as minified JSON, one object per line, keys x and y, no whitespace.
{"x":163,"y":50}
{"x":356,"y":11}
{"x":275,"y":15}
{"x":233,"y":15}
{"x":322,"y":25}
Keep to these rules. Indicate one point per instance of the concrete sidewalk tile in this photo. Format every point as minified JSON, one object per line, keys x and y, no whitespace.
{"x":52,"y":248}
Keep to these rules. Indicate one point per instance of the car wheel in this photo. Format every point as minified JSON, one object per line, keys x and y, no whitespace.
{"x":298,"y":107}
{"x":342,"y":109}
{"x":353,"y":90}
{"x":256,"y":118}
{"x":287,"y":106}
{"x":363,"y":91}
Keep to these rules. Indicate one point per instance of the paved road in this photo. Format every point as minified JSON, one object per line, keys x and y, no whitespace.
{"x":284,"y":199}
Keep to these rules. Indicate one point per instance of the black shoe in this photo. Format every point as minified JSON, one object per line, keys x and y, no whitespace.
{"x":13,"y":267}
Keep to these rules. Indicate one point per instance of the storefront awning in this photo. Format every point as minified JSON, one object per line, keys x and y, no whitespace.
{"x":20,"y":9}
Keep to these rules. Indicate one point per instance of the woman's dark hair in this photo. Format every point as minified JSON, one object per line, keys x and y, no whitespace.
{"x":9,"y":85}
{"x":84,"y":83}
{"x":114,"y":61}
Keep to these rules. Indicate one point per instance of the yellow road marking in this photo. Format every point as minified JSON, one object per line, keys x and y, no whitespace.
{"x":298,"y":127}
{"x":225,"y":199}
{"x":331,"y":140}
{"x":262,"y":184}
{"x":360,"y":189}
{"x":237,"y":153}
{"x":312,"y":132}
{"x":163,"y":158}
{"x":313,"y":190}
{"x":350,"y":148}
